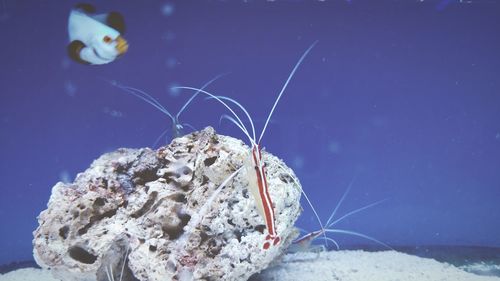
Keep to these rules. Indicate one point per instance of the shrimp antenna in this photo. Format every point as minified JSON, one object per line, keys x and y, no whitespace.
{"x":305,"y":196}
{"x":189,"y":125}
{"x":160,"y":137}
{"x":145,"y":97}
{"x":109,"y":273}
{"x":341,"y":200}
{"x":284,"y":87}
{"x":124,"y":261}
{"x":196,"y":94}
{"x":353,"y":233}
{"x":223,"y":103}
{"x":155,"y":103}
{"x":109,"y":269}
{"x":243,"y":109}
{"x":331,"y":240}
{"x":356,"y":211}
{"x":231,"y":119}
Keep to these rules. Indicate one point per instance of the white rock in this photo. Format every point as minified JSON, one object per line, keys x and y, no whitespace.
{"x":133,"y":205}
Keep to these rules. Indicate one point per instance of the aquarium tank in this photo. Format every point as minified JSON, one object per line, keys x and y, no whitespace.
{"x":250,"y":140}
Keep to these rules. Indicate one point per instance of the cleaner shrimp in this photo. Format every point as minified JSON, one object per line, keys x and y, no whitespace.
{"x":304,"y":242}
{"x":254,"y":164}
{"x":177,"y":126}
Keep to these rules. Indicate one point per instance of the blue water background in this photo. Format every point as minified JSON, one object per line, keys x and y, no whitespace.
{"x":403,"y":96}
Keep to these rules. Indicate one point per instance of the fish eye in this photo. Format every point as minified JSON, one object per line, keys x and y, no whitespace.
{"x":106,"y":39}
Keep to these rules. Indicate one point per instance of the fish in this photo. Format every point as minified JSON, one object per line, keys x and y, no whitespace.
{"x":95,"y":39}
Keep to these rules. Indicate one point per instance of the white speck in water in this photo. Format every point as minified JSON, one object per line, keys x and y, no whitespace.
{"x":4,"y":16}
{"x":172,"y":91}
{"x":168,"y":9}
{"x":112,"y":112}
{"x":168,"y":36}
{"x":298,"y":162}
{"x":65,"y":63}
{"x":171,"y":62}
{"x":379,"y":121}
{"x":70,"y":88}
{"x":64,"y":176}
{"x":497,"y":136}
{"x":325,"y":93}
{"x":334,"y":147}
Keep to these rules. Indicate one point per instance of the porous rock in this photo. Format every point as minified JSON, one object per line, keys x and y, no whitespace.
{"x":129,"y":212}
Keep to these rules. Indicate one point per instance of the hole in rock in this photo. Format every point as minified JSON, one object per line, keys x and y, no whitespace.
{"x":210,"y":161}
{"x":99,"y":202}
{"x":145,"y":176}
{"x":174,"y":232}
{"x":79,"y":254}
{"x":179,"y":197}
{"x":186,"y":171}
{"x":260,"y":228}
{"x":147,"y":206}
{"x":63,"y":232}
{"x":95,"y":218}
{"x":205,"y":180}
{"x":238,"y":235}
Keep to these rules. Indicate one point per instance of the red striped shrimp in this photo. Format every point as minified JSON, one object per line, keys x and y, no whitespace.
{"x":254,"y":164}
{"x":304,"y":242}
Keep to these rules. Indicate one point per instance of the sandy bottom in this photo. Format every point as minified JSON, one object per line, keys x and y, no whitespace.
{"x":27,"y":274}
{"x":365,"y":266}
{"x":332,"y":266}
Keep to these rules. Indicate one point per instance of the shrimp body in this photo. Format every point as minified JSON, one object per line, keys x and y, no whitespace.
{"x":257,"y":184}
{"x":303,"y":243}
{"x":307,"y":239}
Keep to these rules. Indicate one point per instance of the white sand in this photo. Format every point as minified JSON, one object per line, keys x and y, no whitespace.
{"x":333,"y":266}
{"x":365,"y":266}
{"x":27,"y":274}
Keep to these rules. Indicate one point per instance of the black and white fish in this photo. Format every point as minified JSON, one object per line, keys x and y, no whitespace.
{"x":95,"y":38}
